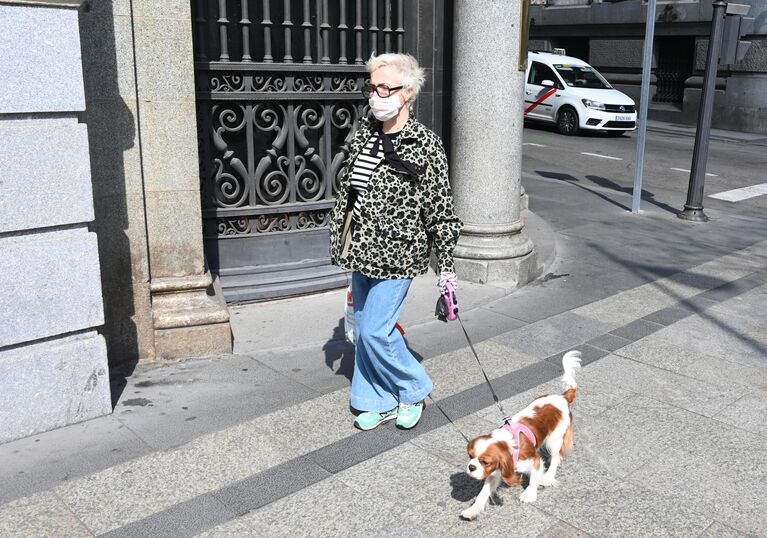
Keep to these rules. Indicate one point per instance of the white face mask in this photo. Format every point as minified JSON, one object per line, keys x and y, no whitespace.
{"x":385,"y":108}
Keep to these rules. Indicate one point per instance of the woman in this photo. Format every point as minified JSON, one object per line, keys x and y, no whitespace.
{"x":394,"y":203}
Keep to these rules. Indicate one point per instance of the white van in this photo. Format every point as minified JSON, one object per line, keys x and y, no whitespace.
{"x":570,"y":93}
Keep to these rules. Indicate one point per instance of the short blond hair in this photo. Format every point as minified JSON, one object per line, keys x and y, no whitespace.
{"x":413,"y":75}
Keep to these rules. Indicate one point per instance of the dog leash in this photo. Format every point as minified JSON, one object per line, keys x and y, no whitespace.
{"x":479,"y":363}
{"x":447,"y":310}
{"x":487,"y":380}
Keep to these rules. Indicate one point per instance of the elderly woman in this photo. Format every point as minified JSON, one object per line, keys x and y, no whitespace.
{"x":394,"y":205}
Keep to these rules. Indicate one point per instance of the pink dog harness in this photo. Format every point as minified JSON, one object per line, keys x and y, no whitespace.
{"x":515,"y":428}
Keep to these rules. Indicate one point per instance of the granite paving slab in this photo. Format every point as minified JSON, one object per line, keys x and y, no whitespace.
{"x":180,"y":521}
{"x":627,"y":306}
{"x":667,"y":316}
{"x":635,"y":430}
{"x":564,"y":287}
{"x":136,"y":489}
{"x":749,"y":412}
{"x":660,"y":352}
{"x":718,"y":530}
{"x":637,"y":329}
{"x":327,"y":508}
{"x":563,"y":530}
{"x":311,"y":424}
{"x":169,"y":405}
{"x":589,"y":354}
{"x":723,"y":480}
{"x":594,"y":501}
{"x":34,"y":463}
{"x":40,"y":515}
{"x":608,"y":342}
{"x":720,"y":335}
{"x":706,"y":398}
{"x":554,"y":335}
{"x":458,"y":370}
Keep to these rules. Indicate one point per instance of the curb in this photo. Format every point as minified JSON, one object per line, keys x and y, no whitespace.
{"x":712,"y":136}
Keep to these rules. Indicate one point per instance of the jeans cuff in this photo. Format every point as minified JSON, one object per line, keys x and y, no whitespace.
{"x":416,"y":395}
{"x":373,"y":405}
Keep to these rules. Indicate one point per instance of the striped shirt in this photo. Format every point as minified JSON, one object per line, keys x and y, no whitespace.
{"x":363,"y":168}
{"x":369,"y":158}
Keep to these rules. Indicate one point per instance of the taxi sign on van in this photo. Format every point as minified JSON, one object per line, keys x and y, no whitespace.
{"x":559,"y":51}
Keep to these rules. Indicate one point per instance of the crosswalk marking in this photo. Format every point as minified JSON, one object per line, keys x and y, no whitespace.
{"x":744,"y":193}
{"x":602,"y":156}
{"x":688,"y":171}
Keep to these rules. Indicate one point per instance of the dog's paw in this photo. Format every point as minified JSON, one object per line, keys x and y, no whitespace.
{"x":549,"y":482}
{"x":470,"y":514}
{"x":529,"y":496}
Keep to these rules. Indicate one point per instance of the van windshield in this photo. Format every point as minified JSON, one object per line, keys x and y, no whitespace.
{"x":582,"y":76}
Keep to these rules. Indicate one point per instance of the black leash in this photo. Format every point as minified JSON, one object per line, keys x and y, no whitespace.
{"x":487,"y":379}
{"x":448,"y":418}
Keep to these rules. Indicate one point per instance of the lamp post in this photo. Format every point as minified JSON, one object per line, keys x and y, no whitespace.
{"x":693,"y":209}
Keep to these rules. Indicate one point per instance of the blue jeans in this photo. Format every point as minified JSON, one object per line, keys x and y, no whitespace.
{"x":385,"y":372}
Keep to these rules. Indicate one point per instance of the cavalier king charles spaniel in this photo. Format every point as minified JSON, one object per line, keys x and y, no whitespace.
{"x":512,"y":450}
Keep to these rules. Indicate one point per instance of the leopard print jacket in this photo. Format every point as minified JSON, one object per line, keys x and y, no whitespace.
{"x":402,"y":217}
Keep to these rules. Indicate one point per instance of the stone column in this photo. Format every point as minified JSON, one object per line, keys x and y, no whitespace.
{"x":189,"y":314}
{"x":486,"y":143}
{"x":53,"y":362}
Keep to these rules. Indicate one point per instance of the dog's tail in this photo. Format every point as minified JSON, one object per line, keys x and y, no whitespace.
{"x":570,"y":362}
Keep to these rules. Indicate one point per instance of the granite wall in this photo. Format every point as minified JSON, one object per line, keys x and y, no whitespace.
{"x":160,"y":302}
{"x":53,"y":361}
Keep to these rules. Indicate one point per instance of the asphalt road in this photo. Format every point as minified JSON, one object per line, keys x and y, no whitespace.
{"x":605,"y":165}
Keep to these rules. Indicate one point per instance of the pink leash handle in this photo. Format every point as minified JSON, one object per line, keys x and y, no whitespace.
{"x":451,"y":301}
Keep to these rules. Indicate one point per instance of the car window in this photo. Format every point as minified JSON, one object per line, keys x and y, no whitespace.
{"x":540,"y":72}
{"x":582,"y":76}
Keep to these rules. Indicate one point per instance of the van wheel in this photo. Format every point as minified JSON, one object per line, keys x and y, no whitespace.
{"x":567,"y":121}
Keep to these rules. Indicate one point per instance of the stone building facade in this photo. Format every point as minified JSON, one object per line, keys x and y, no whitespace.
{"x":107,"y":256}
{"x":53,"y":361}
{"x":610,"y":36}
{"x":101,"y":256}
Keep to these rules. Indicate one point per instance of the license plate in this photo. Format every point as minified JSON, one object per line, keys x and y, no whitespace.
{"x":623,"y":118}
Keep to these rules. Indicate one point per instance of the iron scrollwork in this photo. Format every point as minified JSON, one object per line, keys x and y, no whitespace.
{"x":264,"y":146}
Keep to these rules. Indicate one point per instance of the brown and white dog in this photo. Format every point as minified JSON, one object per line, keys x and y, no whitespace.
{"x":512,"y":450}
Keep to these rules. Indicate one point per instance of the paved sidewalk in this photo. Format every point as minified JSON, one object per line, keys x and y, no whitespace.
{"x":757,"y":139}
{"x":670,"y":429}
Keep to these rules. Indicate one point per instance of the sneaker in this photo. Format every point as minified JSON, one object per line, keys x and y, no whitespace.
{"x":370,"y":419}
{"x":408,"y":415}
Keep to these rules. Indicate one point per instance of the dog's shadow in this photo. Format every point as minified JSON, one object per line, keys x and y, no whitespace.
{"x":466,"y":489}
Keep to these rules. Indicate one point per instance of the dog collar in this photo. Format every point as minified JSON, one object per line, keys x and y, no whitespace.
{"x":515,"y":428}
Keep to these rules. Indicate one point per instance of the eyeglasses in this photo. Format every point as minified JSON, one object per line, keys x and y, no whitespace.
{"x":382,"y":90}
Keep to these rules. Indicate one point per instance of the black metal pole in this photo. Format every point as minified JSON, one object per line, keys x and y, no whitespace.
{"x":693,"y":209}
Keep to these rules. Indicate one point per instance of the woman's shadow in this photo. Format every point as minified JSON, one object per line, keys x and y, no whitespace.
{"x":339,"y":354}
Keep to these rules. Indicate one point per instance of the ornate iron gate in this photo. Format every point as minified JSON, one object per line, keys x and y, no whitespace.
{"x":278,"y":98}
{"x":676,"y":58}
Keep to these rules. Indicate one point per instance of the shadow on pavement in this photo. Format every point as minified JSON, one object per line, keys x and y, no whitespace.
{"x":605,"y":183}
{"x":713,"y":284}
{"x":339,"y":354}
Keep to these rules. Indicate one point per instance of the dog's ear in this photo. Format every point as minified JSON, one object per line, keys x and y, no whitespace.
{"x":506,"y":464}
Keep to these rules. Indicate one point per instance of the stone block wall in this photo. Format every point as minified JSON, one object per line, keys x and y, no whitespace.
{"x":53,"y":361}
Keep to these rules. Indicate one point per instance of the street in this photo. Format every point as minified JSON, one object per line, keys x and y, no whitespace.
{"x":605,"y":165}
